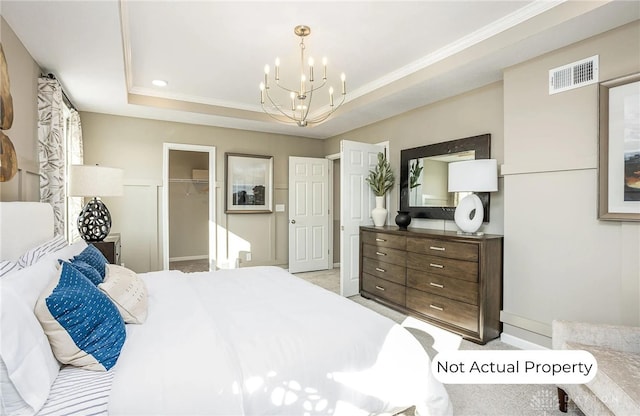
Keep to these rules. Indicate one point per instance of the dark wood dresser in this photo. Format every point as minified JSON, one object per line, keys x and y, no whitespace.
{"x":449,"y":280}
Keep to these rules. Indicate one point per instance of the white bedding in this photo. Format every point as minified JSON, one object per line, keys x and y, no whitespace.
{"x":259,"y":341}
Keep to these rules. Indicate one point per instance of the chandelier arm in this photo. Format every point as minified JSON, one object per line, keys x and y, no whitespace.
{"x":327,"y":114}
{"x":324,"y":82}
{"x":276,"y":117}
{"x":277,"y":107}
{"x":306,"y":113}
{"x":285,"y":88}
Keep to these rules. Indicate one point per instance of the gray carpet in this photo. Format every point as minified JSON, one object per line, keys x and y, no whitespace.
{"x":467,"y":399}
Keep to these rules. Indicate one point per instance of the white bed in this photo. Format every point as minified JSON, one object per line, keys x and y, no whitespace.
{"x":259,"y":341}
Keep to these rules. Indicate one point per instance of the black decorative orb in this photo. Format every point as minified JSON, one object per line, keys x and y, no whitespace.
{"x":94,"y":222}
{"x":403,"y":219}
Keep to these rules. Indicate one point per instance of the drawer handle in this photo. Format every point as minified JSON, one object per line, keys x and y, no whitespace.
{"x":378,"y":269}
{"x":437,"y":266}
{"x":437,"y":285}
{"x":382,"y":240}
{"x":438,"y":308}
{"x":381,"y":254}
{"x":380,"y":288}
{"x":437,"y":248}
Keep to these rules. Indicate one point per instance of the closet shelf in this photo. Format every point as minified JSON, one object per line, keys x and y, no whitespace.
{"x":178,"y":180}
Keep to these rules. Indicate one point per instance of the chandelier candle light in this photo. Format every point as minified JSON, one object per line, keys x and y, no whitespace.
{"x":297,"y":111}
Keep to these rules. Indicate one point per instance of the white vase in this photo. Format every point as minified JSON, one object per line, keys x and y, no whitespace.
{"x":379,"y":213}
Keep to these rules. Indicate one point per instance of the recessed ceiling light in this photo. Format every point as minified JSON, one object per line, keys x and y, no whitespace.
{"x":159,"y":83}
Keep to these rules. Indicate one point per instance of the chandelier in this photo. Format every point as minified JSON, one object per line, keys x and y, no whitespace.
{"x":297,"y":109}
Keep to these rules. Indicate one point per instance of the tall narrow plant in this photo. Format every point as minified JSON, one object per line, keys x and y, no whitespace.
{"x":381,"y":178}
{"x":415,"y":173}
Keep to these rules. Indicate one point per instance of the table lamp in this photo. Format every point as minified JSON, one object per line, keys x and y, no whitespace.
{"x":479,"y":175}
{"x":94,"y":222}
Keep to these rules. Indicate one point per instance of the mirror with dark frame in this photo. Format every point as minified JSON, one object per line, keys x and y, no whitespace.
{"x":424,"y":177}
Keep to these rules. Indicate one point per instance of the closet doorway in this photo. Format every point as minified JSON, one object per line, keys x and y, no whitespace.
{"x":189,"y":240}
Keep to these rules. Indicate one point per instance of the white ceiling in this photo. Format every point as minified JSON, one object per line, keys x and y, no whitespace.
{"x":397,"y":55}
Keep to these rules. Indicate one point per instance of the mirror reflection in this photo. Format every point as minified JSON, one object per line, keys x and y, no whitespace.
{"x":424,"y":176}
{"x":429,"y":177}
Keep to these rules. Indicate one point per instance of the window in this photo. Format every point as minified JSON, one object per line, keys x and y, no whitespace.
{"x":73,"y":156}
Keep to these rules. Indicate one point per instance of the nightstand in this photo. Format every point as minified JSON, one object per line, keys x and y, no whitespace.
{"x":110,"y":248}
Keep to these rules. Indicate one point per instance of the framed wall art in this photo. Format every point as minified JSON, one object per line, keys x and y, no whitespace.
{"x":248,"y":183}
{"x":619,"y":149}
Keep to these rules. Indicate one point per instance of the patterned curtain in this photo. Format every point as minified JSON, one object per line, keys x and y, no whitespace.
{"x":75,"y":157}
{"x":51,"y":149}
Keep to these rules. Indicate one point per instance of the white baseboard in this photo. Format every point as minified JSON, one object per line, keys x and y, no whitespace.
{"x":520,"y":343}
{"x":188,"y":258}
{"x":336,"y":265}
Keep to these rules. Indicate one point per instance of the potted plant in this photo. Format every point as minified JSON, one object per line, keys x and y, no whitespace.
{"x":380,"y":180}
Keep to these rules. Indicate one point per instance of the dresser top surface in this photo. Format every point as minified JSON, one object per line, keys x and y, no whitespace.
{"x":424,"y":232}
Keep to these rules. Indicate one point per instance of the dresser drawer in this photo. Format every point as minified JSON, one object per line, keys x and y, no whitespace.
{"x":384,"y":240}
{"x":448,"y":287}
{"x":387,"y":271}
{"x":443,"y":248}
{"x":444,"y":309}
{"x":459,"y":269}
{"x":381,"y":288}
{"x":384,"y":254}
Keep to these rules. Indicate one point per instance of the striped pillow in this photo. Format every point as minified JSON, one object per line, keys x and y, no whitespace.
{"x":7,"y":266}
{"x":36,"y":253}
{"x":79,"y":392}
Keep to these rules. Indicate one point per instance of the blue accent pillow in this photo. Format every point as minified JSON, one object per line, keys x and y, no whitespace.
{"x":88,"y":271}
{"x":84,"y":327}
{"x":92,"y":256}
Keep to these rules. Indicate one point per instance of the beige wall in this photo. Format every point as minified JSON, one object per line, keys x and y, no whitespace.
{"x":476,"y":112}
{"x":561,"y":262}
{"x":136,"y":145}
{"x":23,"y":79}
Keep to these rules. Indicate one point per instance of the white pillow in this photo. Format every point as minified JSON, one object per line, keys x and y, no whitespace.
{"x":8,"y":266}
{"x":33,"y":255}
{"x":127,"y":291}
{"x":29,"y":365}
{"x":30,"y":282}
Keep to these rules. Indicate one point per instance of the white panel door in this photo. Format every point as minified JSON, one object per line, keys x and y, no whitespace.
{"x":308,"y":214}
{"x":356,"y":202}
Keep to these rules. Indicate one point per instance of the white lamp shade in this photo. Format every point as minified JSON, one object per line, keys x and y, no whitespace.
{"x":93,"y":181}
{"x":480,"y":175}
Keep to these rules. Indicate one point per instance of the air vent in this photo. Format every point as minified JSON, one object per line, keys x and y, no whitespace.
{"x":574,"y":75}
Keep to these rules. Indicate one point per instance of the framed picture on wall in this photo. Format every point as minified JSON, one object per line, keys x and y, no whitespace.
{"x":248,"y":183}
{"x":619,"y":149}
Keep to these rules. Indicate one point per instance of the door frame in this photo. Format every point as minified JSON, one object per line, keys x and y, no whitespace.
{"x":387,"y":145}
{"x":211,"y":150}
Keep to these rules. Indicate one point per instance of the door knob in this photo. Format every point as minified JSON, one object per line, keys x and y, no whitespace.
{"x":293,"y":221}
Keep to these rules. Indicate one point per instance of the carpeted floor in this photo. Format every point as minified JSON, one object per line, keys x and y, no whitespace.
{"x":467,"y":399}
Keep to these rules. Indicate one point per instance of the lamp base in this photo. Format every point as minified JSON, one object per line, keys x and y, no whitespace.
{"x":94,"y":222}
{"x":469,"y":214}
